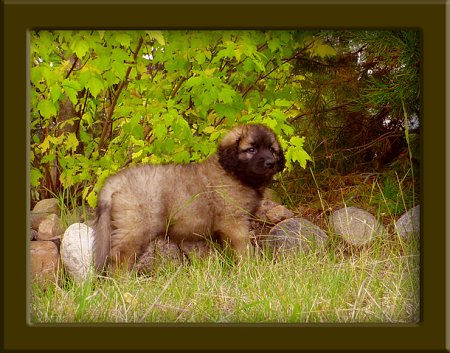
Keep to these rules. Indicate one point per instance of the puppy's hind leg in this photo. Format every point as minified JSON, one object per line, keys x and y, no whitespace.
{"x":131,"y":231}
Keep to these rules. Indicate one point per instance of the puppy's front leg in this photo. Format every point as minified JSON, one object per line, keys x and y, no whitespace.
{"x":236,"y":234}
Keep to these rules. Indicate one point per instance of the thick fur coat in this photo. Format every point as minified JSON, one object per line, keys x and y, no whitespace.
{"x":212,"y":199}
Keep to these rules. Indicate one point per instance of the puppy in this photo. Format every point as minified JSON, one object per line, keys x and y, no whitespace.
{"x":212,"y":199}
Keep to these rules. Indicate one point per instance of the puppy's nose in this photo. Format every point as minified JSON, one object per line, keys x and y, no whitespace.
{"x":269,"y":163}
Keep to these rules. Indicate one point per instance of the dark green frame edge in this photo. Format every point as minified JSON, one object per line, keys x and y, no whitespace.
{"x":21,"y":16}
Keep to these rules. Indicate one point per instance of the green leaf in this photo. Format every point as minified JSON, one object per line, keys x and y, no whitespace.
{"x":49,"y":75}
{"x":71,"y":88}
{"x":226,"y":95}
{"x":55,"y":93}
{"x":168,"y":146}
{"x":72,"y":94}
{"x":324,"y":50}
{"x":47,"y":108}
{"x":119,"y":69}
{"x":80,"y":47}
{"x":136,"y":155}
{"x":72,"y":142}
{"x":194,"y":81}
{"x":226,"y":110}
{"x":35,"y":75}
{"x":102,"y":62}
{"x":228,"y":51}
{"x":35,"y":177}
{"x":160,"y":131}
{"x":92,"y":199}
{"x":301,"y":157}
{"x":209,"y":130}
{"x":297,"y":141}
{"x":111,"y":77}
{"x":84,"y":78}
{"x":48,"y":158}
{"x":119,"y":55}
{"x":274,"y":44}
{"x":95,"y":86}
{"x":278,"y":115}
{"x":123,"y":39}
{"x":181,"y":157}
{"x":283,"y":103}
{"x":138,"y":134}
{"x":272,"y":123}
{"x":134,"y":128}
{"x":158,"y":35}
{"x":296,"y":151}
{"x":57,"y":140}
{"x":181,"y":129}
{"x":200,"y":57}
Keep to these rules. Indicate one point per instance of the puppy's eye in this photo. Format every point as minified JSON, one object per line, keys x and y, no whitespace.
{"x":251,"y":150}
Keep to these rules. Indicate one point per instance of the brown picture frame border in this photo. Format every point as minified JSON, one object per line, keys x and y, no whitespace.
{"x":20,"y":17}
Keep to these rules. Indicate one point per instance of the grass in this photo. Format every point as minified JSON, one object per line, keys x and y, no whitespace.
{"x":335,"y":284}
{"x":377,"y":284}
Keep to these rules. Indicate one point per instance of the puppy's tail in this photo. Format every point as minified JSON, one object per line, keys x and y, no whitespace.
{"x":102,"y":239}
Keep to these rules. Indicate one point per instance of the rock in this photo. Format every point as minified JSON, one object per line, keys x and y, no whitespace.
{"x":264,"y":207}
{"x":196,"y":248}
{"x":294,"y":234}
{"x":409,"y":223}
{"x":159,"y":252}
{"x":33,"y":234}
{"x":77,"y":251}
{"x":273,"y":212}
{"x":56,"y":241}
{"x":279,"y":213}
{"x":166,"y":249}
{"x":36,"y":219}
{"x":44,"y":261}
{"x":47,"y":206}
{"x":355,"y":226}
{"x":50,"y":227}
{"x":41,"y":210}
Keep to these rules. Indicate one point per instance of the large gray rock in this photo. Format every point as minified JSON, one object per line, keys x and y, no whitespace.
{"x":355,"y":226}
{"x":44,"y":261}
{"x":41,"y":210}
{"x":77,"y":251}
{"x":294,"y":234}
{"x":409,"y":223}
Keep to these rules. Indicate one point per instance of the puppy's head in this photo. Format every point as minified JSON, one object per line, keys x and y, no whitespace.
{"x":252,"y":154}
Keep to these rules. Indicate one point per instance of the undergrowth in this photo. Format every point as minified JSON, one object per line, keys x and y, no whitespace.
{"x":334,"y":284}
{"x":377,"y":284}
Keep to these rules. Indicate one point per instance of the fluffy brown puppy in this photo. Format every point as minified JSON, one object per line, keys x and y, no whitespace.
{"x":212,"y":199}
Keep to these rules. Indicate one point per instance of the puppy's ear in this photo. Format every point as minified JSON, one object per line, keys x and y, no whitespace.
{"x":281,"y":163}
{"x":229,"y":149}
{"x":228,"y":156}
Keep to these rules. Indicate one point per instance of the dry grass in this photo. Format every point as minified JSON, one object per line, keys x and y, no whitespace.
{"x":380,"y":284}
{"x":333,"y":285}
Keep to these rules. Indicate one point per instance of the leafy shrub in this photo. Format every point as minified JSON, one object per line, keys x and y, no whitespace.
{"x":102,"y":100}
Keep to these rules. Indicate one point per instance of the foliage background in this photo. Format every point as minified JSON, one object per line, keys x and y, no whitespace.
{"x":103,"y":100}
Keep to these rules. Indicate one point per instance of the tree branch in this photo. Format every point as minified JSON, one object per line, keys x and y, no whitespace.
{"x":337,"y":107}
{"x":110,"y":109}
